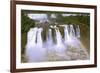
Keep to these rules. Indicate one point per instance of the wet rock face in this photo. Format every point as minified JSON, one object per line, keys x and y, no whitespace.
{"x":62,"y":43}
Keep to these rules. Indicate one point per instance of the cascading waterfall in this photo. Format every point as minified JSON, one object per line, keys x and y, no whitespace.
{"x":36,"y":49}
{"x":72,"y":31}
{"x":39,"y":38}
{"x":58,"y":37}
{"x":66,"y":33}
{"x":78,"y":31}
{"x":59,"y":48}
{"x":74,"y":42}
{"x":37,"y":52}
{"x":49,"y":41}
{"x":31,"y":37}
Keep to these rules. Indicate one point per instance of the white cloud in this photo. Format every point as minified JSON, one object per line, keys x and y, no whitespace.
{"x":69,"y":14}
{"x":37,"y":16}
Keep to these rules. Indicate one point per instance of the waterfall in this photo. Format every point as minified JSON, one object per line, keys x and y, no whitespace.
{"x":36,"y":53}
{"x":69,"y":49}
{"x":60,"y":48}
{"x":49,"y":39}
{"x":75,"y":43}
{"x":70,"y":35}
{"x":78,"y":31}
{"x":31,"y":36}
{"x":72,"y":31}
{"x":39,"y":38}
{"x":66,"y":33}
{"x":58,"y":37}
